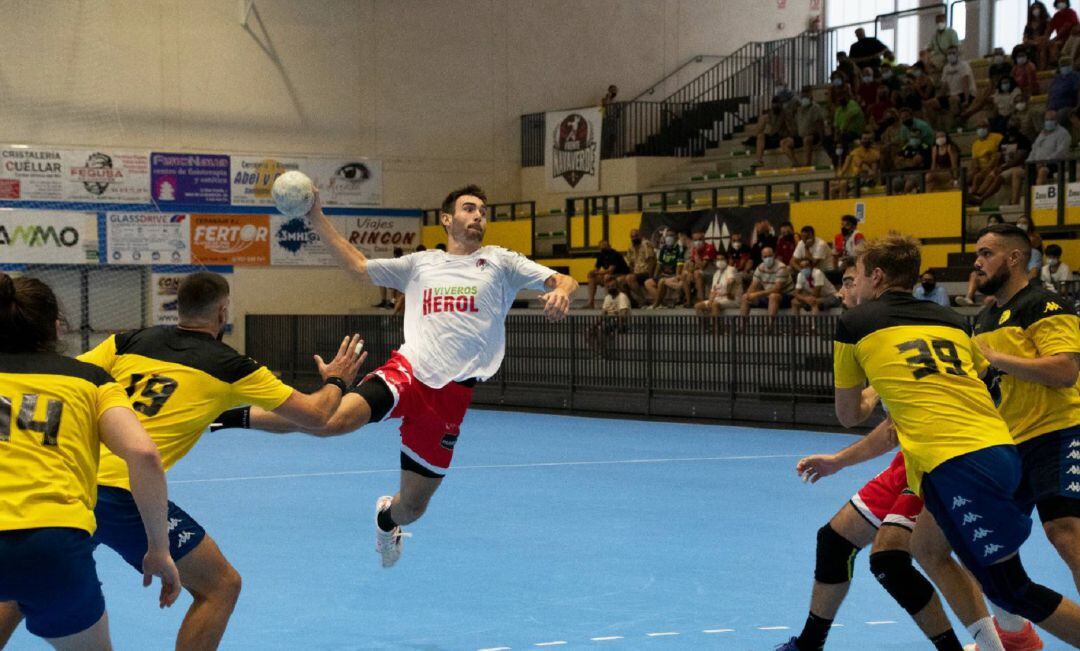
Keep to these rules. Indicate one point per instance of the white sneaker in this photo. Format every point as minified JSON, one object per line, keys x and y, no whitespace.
{"x":388,"y":543}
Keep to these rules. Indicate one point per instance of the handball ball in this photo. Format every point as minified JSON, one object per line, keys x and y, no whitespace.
{"x":293,"y":193}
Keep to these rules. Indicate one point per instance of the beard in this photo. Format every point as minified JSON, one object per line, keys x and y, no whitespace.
{"x":991,"y":284}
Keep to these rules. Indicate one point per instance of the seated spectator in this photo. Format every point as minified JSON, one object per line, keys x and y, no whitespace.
{"x":1071,"y":48}
{"x":862,"y":166}
{"x":813,"y":290}
{"x":666,"y":276}
{"x":868,"y":89}
{"x":985,"y":159}
{"x":1014,"y":153}
{"x":1026,"y":119}
{"x":838,"y":85}
{"x":1003,"y":104}
{"x":882,"y":104}
{"x":763,"y":236}
{"x":813,"y":248}
{"x":923,"y":81}
{"x":888,"y":139}
{"x":912,"y":126}
{"x":641,"y":258}
{"x":1036,"y":35}
{"x":1035,"y":263}
{"x":1064,"y":90}
{"x":944,"y":39}
{"x":944,"y":164}
{"x":724,"y":293}
{"x":929,"y":290}
{"x":700,"y":268}
{"x":771,"y":287}
{"x":847,"y":239}
{"x":890,"y":80}
{"x":848,"y":123}
{"x":609,"y":264}
{"x":809,"y":129}
{"x":1024,"y":73}
{"x":1055,"y":272}
{"x":785,"y":243}
{"x":741,"y":259}
{"x":614,"y":314}
{"x":772,"y":127}
{"x":1061,"y":26}
{"x":958,"y":80}
{"x":1050,"y":148}
{"x":866,"y":51}
{"x":847,"y":67}
{"x":914,"y":159}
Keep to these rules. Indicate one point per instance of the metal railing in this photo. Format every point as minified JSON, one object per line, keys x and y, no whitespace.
{"x":675,"y":74}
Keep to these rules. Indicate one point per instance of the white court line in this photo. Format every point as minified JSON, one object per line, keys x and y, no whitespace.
{"x":555,"y":643}
{"x":606,"y":639}
{"x":719,"y":630}
{"x":884,"y":621}
{"x":664,"y":634}
{"x":496,"y":648}
{"x":772,"y":628}
{"x":343,"y":473}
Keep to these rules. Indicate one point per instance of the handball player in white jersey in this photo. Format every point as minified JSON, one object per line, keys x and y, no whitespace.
{"x":456,"y":303}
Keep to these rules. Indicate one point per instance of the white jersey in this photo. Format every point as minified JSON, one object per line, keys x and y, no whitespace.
{"x":455,"y":308}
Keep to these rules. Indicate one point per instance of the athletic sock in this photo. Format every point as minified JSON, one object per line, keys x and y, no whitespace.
{"x":985,"y":636}
{"x":1006,"y":620}
{"x":947,"y":641}
{"x":386,"y":523}
{"x":814,"y":633}
{"x":239,"y":418}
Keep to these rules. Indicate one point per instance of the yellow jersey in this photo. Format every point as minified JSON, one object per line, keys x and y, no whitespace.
{"x":178,"y":382}
{"x":918,"y":357}
{"x":1033,"y":323}
{"x":50,"y":406}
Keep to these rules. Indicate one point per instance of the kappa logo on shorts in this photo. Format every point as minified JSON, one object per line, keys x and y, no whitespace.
{"x":970,"y":518}
{"x":1073,"y":470}
{"x":173,"y":522}
{"x":1075,"y":454}
{"x":184,"y":537}
{"x":1074,"y":487}
{"x":990,"y":549}
{"x":959,"y":501}
{"x":981,"y":533}
{"x":449,"y":441}
{"x":1075,"y":443}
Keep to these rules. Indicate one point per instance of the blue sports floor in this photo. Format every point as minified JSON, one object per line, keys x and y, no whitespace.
{"x":551,"y":531}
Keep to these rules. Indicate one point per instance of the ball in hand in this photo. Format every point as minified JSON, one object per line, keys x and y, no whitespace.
{"x":293,"y":193}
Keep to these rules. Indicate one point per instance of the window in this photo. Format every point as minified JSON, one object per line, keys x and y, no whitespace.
{"x":1010,"y":16}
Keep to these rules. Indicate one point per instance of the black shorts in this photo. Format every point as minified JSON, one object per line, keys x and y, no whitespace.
{"x":1051,"y":474}
{"x":120,"y":527}
{"x":642,"y":277}
{"x":772,"y":141}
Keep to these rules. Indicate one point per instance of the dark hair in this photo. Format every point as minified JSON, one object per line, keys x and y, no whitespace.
{"x":200,"y":293}
{"x":807,"y":229}
{"x":28,"y":315}
{"x":451,"y":199}
{"x":898,"y":256}
{"x":849,"y":219}
{"x":440,"y":246}
{"x":1012,"y":232}
{"x":994,"y":216}
{"x":847,"y":262}
{"x":398,"y":251}
{"x":783,"y":224}
{"x":929,"y":272}
{"x":420,"y":247}
{"x":1053,"y":250}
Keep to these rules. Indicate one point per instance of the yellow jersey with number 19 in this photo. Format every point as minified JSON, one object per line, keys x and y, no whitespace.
{"x":50,"y":406}
{"x":919,"y":358}
{"x":179,"y":381}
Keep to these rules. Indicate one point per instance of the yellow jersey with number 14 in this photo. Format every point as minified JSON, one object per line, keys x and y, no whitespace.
{"x":919,"y":358}
{"x":179,"y":381}
{"x":50,"y":406}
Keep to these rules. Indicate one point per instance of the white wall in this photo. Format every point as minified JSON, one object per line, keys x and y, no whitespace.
{"x":432,"y":87}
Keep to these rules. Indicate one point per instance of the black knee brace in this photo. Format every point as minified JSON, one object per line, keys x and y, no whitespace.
{"x":1008,"y":585}
{"x":835,"y":557}
{"x":380,"y":399}
{"x":895,"y":573}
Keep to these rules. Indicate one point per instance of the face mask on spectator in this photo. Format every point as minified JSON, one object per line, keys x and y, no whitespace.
{"x":867,"y":79}
{"x":1021,"y":61}
{"x":1050,"y":125}
{"x":1060,"y":5}
{"x":953,"y":58}
{"x":928,"y":286}
{"x":1006,"y":87}
{"x":768,"y":262}
{"x":1021,"y":106}
{"x":982,"y":132}
{"x":699,"y":243}
{"x":941,"y":27}
{"x":913,"y":142}
{"x":839,"y":151}
{"x":886,"y":74}
{"x":838,"y":82}
{"x":998,"y":58}
{"x":721,"y":265}
{"x":940,"y":142}
{"x":735,"y":246}
{"x":669,"y":240}
{"x":1066,"y":70}
{"x":805,"y":273}
{"x":1053,"y":262}
{"x":805,"y":101}
{"x":916,"y":73}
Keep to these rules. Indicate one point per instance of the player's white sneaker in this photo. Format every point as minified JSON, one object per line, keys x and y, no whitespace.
{"x":387,"y":543}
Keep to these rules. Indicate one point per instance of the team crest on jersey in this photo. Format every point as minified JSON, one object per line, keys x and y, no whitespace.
{"x":481,"y":263}
{"x":1005,"y":316}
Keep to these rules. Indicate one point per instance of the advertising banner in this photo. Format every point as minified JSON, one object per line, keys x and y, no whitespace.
{"x":293,"y":242}
{"x":106,"y":175}
{"x":31,"y":174}
{"x":572,"y":150}
{"x":253,"y":176}
{"x":230,"y":240}
{"x":354,"y":182}
{"x":1045,"y":197}
{"x":197,"y":179}
{"x":48,"y":237}
{"x":377,"y":236}
{"x":164,"y":285}
{"x":148,"y":238}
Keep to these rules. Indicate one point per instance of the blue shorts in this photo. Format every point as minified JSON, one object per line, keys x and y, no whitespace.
{"x":972,"y":497}
{"x":1051,"y":480}
{"x":120,"y":527}
{"x":50,"y":573}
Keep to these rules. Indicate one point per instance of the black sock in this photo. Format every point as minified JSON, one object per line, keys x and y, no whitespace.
{"x":814,"y":633}
{"x":386,"y":523}
{"x":947,"y":641}
{"x":239,"y":417}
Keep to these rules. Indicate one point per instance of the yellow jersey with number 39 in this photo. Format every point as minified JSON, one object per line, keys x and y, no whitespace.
{"x":178,"y":382}
{"x":50,"y":406}
{"x":919,"y":358}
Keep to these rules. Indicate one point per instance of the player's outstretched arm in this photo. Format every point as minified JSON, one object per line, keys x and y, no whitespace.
{"x":1059,"y":370}
{"x":346,"y":253}
{"x":557,"y":301}
{"x":124,"y":435}
{"x":879,"y":441}
{"x":312,"y":411}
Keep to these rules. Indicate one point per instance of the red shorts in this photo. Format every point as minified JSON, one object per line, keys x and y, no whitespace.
{"x":886,"y":499}
{"x":430,"y":418}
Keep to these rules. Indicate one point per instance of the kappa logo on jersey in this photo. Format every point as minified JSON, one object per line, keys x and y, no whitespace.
{"x":573,"y":149}
{"x":970,"y":518}
{"x":959,"y":501}
{"x":981,"y":533}
{"x":1005,"y":316}
{"x":1051,"y":306}
{"x":990,"y":549}
{"x":449,"y":299}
